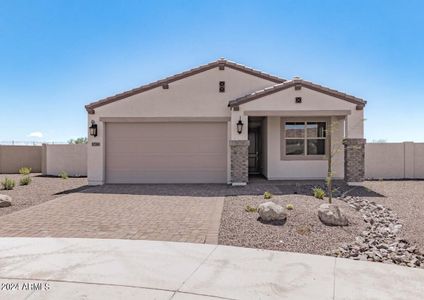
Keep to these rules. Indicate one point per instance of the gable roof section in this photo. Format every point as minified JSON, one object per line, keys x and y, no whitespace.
{"x":218,"y":63}
{"x":360,"y":103}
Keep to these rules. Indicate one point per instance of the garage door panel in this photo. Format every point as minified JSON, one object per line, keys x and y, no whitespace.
{"x":165,"y":130}
{"x":165,"y":162}
{"x":210,"y":146}
{"x":167,"y":177}
{"x":166,"y":152}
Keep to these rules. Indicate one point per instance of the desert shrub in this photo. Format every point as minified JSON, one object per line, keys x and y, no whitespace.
{"x":250,"y":208}
{"x":63,"y":175}
{"x":8,"y":184}
{"x":25,"y":180}
{"x":267,"y":195}
{"x":303,"y":230}
{"x":318,"y":193}
{"x":25,"y":171}
{"x":290,"y":206}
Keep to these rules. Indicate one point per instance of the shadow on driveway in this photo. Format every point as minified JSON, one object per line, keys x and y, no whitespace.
{"x":255,"y":187}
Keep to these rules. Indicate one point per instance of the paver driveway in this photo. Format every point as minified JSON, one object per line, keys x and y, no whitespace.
{"x":186,"y":213}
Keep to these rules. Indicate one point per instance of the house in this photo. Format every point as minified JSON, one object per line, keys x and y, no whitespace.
{"x":221,"y":123}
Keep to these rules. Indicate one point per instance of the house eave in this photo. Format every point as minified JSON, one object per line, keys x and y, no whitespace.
{"x":296,"y":83}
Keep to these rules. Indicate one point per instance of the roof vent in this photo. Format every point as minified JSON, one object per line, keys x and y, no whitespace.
{"x":297,"y":78}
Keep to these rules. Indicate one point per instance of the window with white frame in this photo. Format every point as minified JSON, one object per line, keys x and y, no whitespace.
{"x":305,"y":139}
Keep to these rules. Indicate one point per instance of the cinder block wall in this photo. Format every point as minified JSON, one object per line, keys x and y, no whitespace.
{"x":394,"y":160}
{"x":12,"y":158}
{"x":69,"y":158}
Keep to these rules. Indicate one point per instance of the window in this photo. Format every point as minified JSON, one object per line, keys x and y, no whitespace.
{"x":303,"y":139}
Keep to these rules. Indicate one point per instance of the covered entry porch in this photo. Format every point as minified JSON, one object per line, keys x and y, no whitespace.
{"x":289,"y":145}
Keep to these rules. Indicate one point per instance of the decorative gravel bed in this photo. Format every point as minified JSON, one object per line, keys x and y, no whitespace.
{"x":380,"y":241}
{"x":406,"y":199}
{"x":41,"y":189}
{"x":302,"y":232}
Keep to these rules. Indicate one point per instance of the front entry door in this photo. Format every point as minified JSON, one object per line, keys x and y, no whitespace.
{"x":254,"y":151}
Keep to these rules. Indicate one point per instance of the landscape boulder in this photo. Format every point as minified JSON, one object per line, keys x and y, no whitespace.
{"x":332,"y":215}
{"x":270,"y":212}
{"x":5,"y":201}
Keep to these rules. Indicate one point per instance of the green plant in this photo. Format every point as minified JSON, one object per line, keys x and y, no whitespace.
{"x":8,"y":184}
{"x":267,"y":195}
{"x":290,"y":206}
{"x":81,"y":140}
{"x":63,"y":175}
{"x":25,"y":171}
{"x":250,"y":208}
{"x":25,"y":180}
{"x":318,"y":193}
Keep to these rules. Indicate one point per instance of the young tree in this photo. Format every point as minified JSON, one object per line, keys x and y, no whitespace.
{"x":80,"y":140}
{"x":334,"y":150}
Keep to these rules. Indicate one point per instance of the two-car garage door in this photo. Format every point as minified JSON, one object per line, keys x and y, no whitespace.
{"x":193,"y":152}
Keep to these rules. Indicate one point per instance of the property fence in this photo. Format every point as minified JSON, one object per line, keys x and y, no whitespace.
{"x":12,"y":158}
{"x":49,"y":159}
{"x":394,"y":160}
{"x":71,"y":158}
{"x":28,"y":143}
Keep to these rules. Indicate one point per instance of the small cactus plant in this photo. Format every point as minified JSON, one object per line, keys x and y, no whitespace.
{"x":63,"y":175}
{"x":8,"y":184}
{"x":250,"y":208}
{"x":25,"y":180}
{"x":267,"y":195}
{"x":318,"y":193}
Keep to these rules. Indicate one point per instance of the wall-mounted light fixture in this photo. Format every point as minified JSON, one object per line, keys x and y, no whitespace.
{"x":239,"y":126}
{"x":93,"y":128}
{"x":298,"y":99}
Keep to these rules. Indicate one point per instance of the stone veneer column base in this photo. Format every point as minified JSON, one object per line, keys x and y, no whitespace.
{"x":354,"y":161}
{"x":239,"y":157}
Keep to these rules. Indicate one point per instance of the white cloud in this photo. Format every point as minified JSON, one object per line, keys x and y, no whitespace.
{"x":37,"y":134}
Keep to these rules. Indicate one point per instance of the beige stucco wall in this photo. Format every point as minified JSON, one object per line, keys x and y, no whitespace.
{"x":69,"y":158}
{"x":12,"y":158}
{"x":195,"y":96}
{"x":394,"y":160}
{"x":301,"y":169}
{"x":311,"y":101}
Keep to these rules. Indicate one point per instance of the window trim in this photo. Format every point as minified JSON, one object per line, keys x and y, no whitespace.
{"x":283,"y":155}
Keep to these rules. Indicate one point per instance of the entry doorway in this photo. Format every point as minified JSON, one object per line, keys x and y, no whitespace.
{"x":255,"y":145}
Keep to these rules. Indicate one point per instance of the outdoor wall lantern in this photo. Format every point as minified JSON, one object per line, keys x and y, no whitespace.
{"x":239,"y":126}
{"x":93,"y":128}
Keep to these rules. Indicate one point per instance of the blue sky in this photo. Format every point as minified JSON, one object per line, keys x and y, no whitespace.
{"x":57,"y":56}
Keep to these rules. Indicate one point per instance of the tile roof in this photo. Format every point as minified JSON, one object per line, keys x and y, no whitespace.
{"x":297,"y":82}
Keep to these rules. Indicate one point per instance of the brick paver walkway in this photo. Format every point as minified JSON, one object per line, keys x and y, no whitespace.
{"x":170,"y":213}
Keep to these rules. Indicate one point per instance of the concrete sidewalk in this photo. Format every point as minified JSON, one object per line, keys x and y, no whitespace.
{"x":47,"y":268}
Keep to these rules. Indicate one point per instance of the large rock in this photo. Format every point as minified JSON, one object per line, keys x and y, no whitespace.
{"x":5,"y":201}
{"x":271,"y":212}
{"x":331,"y":214}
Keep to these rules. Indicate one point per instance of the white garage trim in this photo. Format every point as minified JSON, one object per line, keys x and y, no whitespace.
{"x":162,"y":119}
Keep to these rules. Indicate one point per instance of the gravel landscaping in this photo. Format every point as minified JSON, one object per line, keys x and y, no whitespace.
{"x":302,"y":232}
{"x":385,"y":222}
{"x":380,"y":241}
{"x":40,"y":190}
{"x":406,"y":199}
